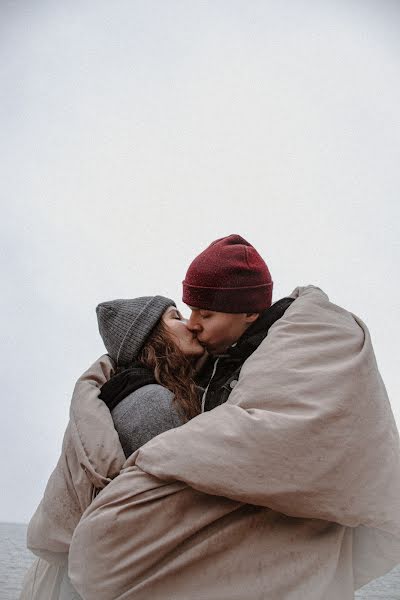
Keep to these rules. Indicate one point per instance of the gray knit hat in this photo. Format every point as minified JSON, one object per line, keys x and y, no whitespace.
{"x":125,"y":325}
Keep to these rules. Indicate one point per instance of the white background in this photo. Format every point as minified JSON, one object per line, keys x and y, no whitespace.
{"x":135,"y":133}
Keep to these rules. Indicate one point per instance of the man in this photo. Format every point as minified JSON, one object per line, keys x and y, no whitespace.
{"x":228,"y":288}
{"x":288,"y":489}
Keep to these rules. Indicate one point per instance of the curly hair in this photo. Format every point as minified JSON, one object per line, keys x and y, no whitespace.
{"x":172,"y":369}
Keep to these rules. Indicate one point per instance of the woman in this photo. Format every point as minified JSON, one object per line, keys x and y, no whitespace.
{"x":146,"y":382}
{"x":153,"y":389}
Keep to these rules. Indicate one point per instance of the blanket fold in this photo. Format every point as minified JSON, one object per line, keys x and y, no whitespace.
{"x":91,"y":457}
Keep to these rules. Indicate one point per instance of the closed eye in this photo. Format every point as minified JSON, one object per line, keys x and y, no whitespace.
{"x":206,"y":316}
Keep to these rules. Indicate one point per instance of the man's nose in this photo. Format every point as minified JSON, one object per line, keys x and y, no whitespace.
{"x":192,"y":324}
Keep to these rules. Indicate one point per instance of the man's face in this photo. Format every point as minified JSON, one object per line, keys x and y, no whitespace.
{"x":217,"y":330}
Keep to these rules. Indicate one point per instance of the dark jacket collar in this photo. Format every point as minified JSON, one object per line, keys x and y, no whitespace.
{"x":254,"y":335}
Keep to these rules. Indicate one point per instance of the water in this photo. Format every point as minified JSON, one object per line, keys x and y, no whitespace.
{"x":15,"y":560}
{"x":384,"y":588}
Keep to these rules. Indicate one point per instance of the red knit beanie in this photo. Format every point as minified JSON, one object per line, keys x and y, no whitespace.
{"x":228,"y":276}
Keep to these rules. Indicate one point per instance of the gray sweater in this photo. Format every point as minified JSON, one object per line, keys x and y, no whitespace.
{"x":144,"y":414}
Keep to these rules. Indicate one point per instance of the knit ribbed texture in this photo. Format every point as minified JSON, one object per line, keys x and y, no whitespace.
{"x":125,"y":325}
{"x":229,"y":276}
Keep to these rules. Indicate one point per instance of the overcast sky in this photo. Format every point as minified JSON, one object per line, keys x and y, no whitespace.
{"x":135,"y":133}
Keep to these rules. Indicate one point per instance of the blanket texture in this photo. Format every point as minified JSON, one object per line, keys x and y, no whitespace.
{"x":91,"y":456}
{"x":289,"y":491}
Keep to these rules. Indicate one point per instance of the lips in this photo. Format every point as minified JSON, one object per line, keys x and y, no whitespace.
{"x":201,"y":343}
{"x":194,"y":339}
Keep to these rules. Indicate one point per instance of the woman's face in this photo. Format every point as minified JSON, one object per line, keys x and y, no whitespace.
{"x":186,"y":341}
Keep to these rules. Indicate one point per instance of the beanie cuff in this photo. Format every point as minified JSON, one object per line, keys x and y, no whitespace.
{"x":141,"y":328}
{"x":229,"y":300}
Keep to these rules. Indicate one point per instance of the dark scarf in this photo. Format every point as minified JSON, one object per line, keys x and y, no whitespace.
{"x":255,"y":334}
{"x":236,"y":355}
{"x":124,"y":383}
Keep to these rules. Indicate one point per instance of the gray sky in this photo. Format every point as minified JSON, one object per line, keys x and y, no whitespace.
{"x":135,"y":133}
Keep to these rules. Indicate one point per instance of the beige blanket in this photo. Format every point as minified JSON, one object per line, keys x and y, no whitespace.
{"x":307,"y":435}
{"x":91,"y":456}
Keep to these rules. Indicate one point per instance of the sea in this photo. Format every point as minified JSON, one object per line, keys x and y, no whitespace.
{"x":15,"y":560}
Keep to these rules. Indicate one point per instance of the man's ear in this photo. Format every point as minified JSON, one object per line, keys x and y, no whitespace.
{"x":251,"y":317}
